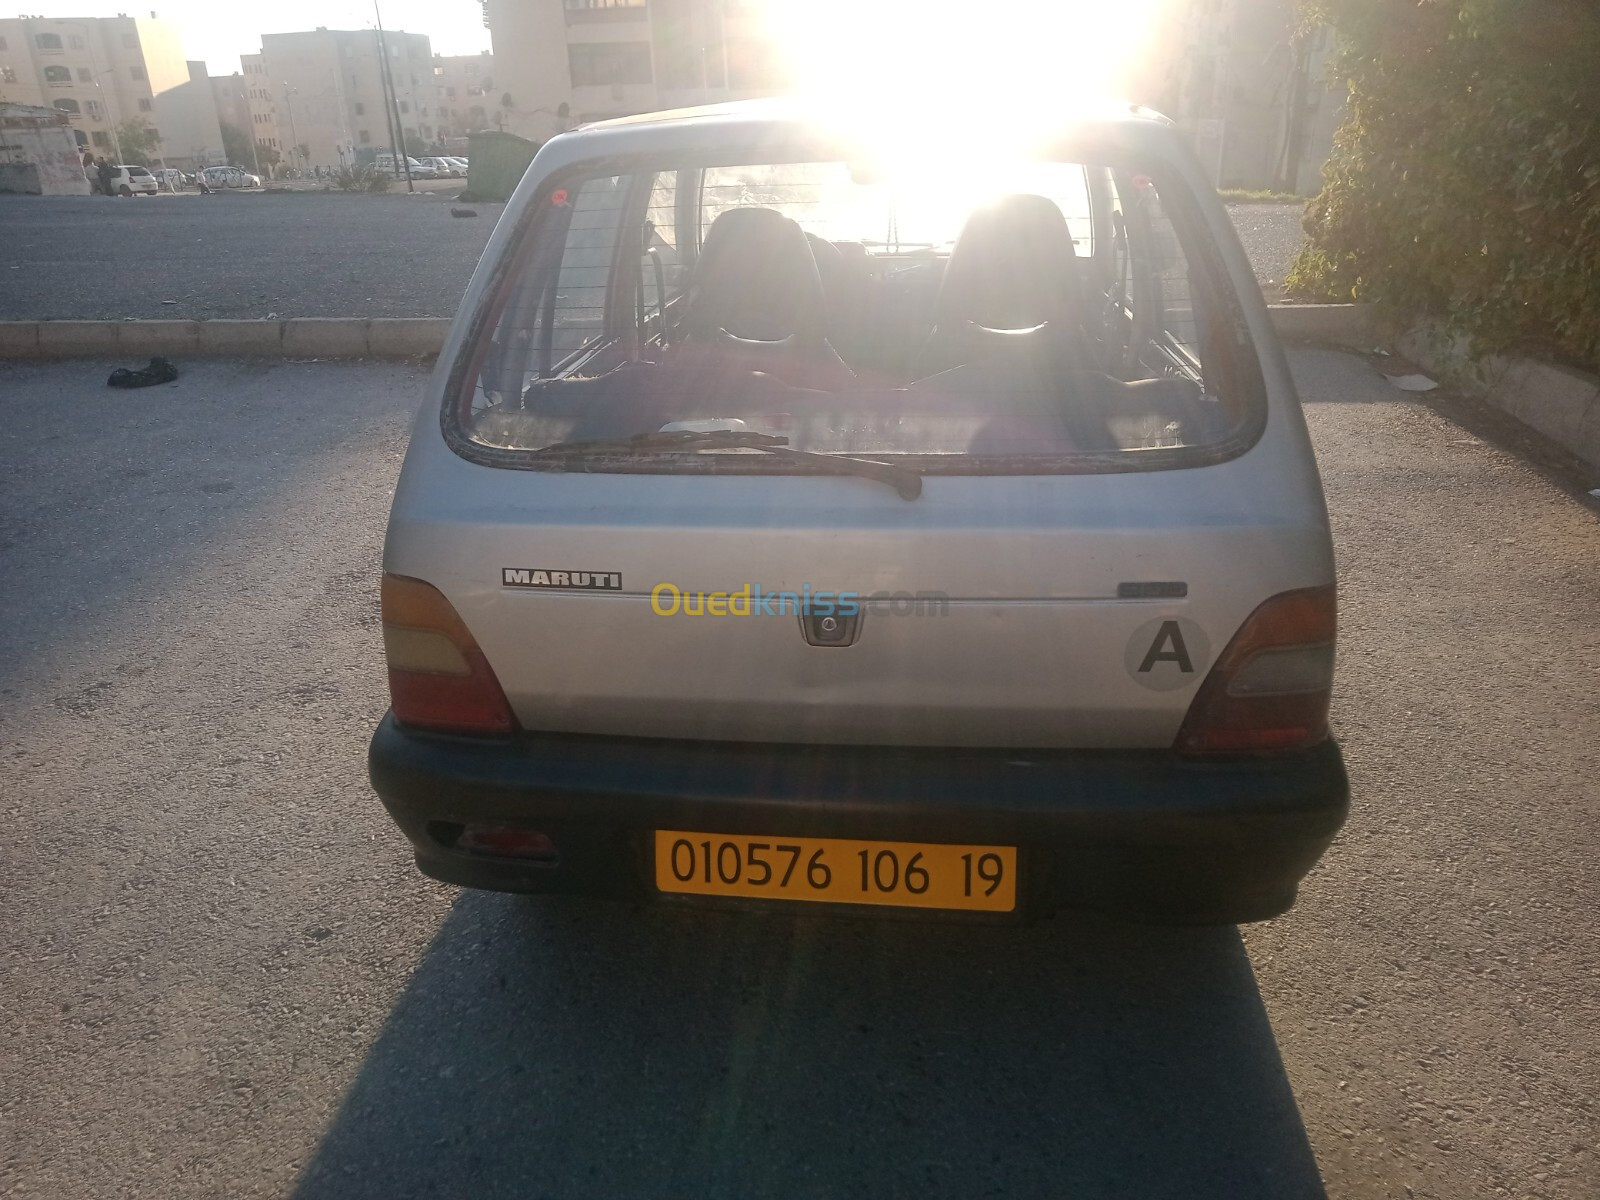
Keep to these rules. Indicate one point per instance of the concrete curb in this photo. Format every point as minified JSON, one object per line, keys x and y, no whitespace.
{"x":1339,"y":324}
{"x":1561,"y":403}
{"x":413,"y":337}
{"x":300,"y":337}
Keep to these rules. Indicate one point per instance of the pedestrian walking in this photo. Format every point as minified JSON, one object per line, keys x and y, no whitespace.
{"x":103,"y":169}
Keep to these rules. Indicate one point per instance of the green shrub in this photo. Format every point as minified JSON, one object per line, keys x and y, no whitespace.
{"x":361,"y":177}
{"x":1465,"y":181}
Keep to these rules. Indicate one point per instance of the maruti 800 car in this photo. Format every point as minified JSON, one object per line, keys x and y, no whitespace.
{"x":795,"y":527}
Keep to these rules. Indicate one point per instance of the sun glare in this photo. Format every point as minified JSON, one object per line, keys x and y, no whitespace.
{"x":977,"y":79}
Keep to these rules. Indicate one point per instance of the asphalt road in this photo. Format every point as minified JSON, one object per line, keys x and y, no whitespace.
{"x":308,"y":254}
{"x":223,"y":977}
{"x":243,"y":254}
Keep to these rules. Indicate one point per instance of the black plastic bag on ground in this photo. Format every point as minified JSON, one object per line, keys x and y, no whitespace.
{"x":159,"y":371}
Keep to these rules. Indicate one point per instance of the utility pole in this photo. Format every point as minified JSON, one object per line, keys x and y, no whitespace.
{"x":289,"y":104}
{"x":397,"y":130}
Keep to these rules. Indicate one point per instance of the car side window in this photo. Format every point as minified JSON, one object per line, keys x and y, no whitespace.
{"x":559,"y":308}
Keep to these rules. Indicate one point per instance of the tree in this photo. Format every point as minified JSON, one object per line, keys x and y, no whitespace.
{"x":140,"y":142}
{"x":415,"y":146}
{"x":236,"y":145}
{"x":1465,"y":181}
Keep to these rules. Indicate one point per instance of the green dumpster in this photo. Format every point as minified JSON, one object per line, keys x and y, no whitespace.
{"x":496,"y":163}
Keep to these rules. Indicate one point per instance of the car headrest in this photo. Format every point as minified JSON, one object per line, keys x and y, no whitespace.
{"x":1013,"y":267}
{"x":756,"y":279}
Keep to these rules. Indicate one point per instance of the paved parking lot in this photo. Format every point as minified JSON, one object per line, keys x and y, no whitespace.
{"x":224,"y":978}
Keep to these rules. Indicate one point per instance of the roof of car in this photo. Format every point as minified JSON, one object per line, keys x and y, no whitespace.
{"x":792,"y":121}
{"x":793,"y":110}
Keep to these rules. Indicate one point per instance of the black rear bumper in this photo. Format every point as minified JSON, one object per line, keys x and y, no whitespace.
{"x":1142,"y":834}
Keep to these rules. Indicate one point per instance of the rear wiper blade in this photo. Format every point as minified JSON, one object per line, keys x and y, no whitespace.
{"x":904,"y":480}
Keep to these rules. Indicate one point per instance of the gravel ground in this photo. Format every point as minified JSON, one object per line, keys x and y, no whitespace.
{"x":1271,"y":235}
{"x":223,"y":976}
{"x":309,"y":254}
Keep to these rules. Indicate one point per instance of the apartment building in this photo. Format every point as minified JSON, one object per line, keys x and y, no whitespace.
{"x":1250,"y":86}
{"x":1255,"y":90}
{"x":328,"y":89}
{"x":261,"y":119}
{"x":466,"y":96}
{"x":103,"y":71}
{"x":569,"y":61}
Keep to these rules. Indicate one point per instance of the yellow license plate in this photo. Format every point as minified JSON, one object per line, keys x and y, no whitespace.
{"x":838,"y":871}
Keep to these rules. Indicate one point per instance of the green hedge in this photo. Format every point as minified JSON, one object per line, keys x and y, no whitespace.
{"x":1465,"y":181}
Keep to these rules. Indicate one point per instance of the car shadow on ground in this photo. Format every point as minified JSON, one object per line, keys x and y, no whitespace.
{"x":548,"y":1048}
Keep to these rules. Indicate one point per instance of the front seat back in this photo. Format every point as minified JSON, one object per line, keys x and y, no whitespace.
{"x":1013,"y":286}
{"x":755,"y":294}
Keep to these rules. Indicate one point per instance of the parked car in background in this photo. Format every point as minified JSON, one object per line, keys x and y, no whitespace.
{"x":443,"y":168}
{"x":130,"y":180}
{"x":460,"y":162}
{"x":171,"y":178}
{"x":387,"y":162}
{"x":230,"y":177}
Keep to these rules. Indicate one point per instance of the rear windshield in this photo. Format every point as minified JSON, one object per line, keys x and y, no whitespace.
{"x":137,"y":171}
{"x":1055,"y":316}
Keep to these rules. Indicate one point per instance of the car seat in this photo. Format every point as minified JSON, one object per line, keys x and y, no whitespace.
{"x":755,"y":299}
{"x":1013,"y":288}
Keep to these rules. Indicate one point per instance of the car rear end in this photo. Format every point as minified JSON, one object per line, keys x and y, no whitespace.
{"x":663,"y":618}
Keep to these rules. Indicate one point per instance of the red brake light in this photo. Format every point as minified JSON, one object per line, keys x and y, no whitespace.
{"x":438,"y":677}
{"x":1269,"y":690}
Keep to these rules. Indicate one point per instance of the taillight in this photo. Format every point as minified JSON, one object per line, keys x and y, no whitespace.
{"x":438,"y":678}
{"x":1269,"y":690}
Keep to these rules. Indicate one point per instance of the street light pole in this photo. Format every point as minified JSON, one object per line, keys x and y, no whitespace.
{"x":386,"y":76}
{"x":289,"y":104}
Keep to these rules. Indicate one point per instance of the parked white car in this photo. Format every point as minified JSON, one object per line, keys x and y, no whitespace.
{"x":230,"y":177}
{"x":130,"y":180}
{"x":443,"y":168}
{"x":789,"y":527}
{"x":387,"y":162}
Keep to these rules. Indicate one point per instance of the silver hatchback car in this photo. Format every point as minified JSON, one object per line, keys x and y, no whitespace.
{"x":792,"y":525}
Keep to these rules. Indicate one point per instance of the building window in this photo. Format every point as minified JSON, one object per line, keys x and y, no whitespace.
{"x":145,"y":106}
{"x":365,"y":137}
{"x":95,"y":110}
{"x":405,"y":106}
{"x":99,"y":138}
{"x":596,"y":64}
{"x":84,"y":76}
{"x":7,"y":74}
{"x":130,"y":41}
{"x":47,"y":41}
{"x":450,"y":93}
{"x":66,"y":105}
{"x":138,"y":74}
{"x":57,"y":75}
{"x":2,"y":43}
{"x":75,"y":42}
{"x":361,"y":109}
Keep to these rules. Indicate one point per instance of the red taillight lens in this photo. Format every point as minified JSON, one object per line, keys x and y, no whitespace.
{"x":438,"y":678}
{"x":1269,"y":690}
